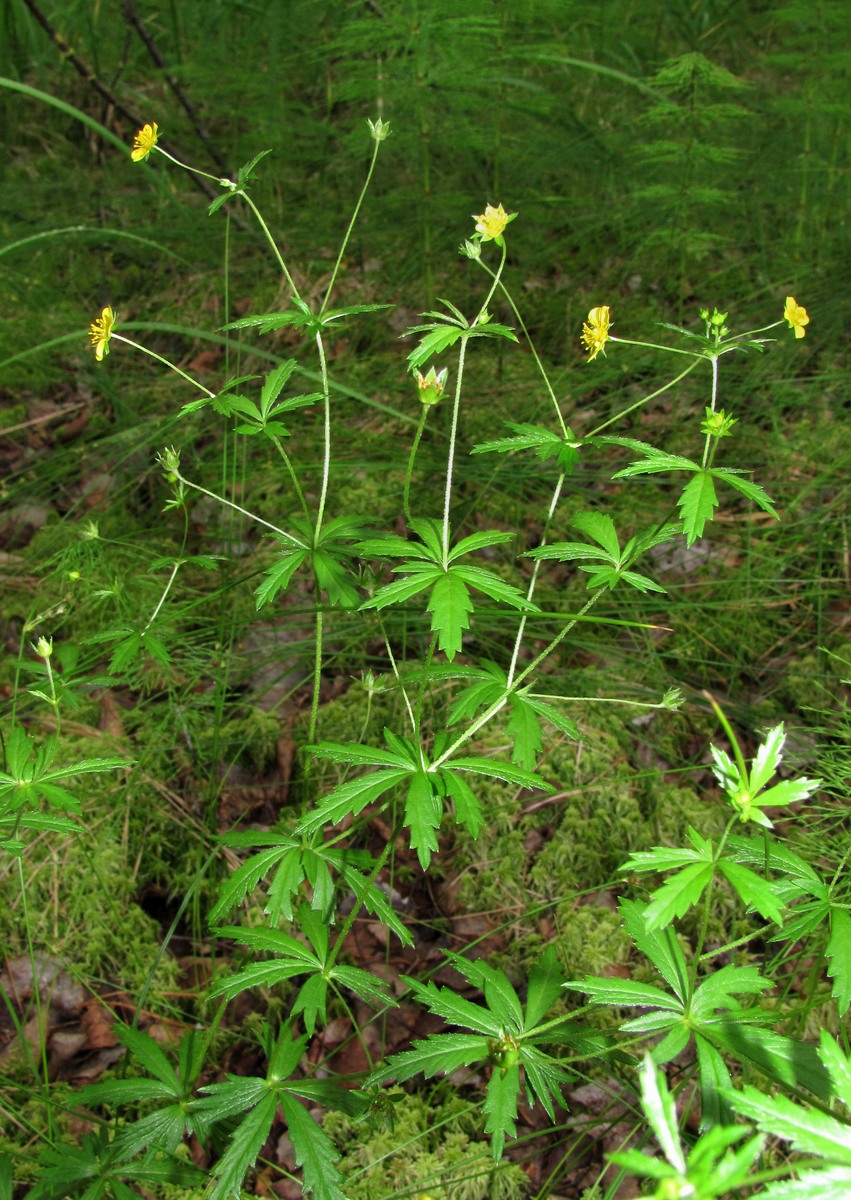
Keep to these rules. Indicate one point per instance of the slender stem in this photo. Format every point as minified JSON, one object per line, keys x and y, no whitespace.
{"x":737,"y":752}
{"x":530,"y":591}
{"x":276,"y":441}
{"x":394,"y":667}
{"x":709,"y":438}
{"x":432,"y":646}
{"x":499,"y":704}
{"x":270,"y":240}
{"x":186,"y":167}
{"x":495,"y":278}
{"x":656,"y":346}
{"x":406,"y":495}
{"x":451,"y":457}
{"x":119,"y":337}
{"x":359,"y":899}
{"x":326,"y":447}
{"x":530,"y":344}
{"x":288,"y":537}
{"x":626,"y":411}
{"x":317,"y":670}
{"x":39,"y":1011}
{"x":178,"y":563}
{"x":707,"y":903}
{"x":354,"y":218}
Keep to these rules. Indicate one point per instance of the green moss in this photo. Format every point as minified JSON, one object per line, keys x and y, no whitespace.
{"x":81,"y":908}
{"x":436,"y":1148}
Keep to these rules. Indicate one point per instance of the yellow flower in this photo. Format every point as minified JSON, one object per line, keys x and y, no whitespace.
{"x":491,"y":223}
{"x":595,"y":331}
{"x":144,"y":142}
{"x":797,"y":316}
{"x":100,"y":331}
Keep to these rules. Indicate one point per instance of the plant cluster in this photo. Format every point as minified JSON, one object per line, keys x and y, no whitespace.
{"x":700,"y":1033}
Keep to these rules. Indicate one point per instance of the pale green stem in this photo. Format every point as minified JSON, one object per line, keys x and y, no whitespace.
{"x":737,"y":752}
{"x":495,"y":278}
{"x":598,"y":700}
{"x":709,"y":438}
{"x":289,"y":465}
{"x":270,"y":240}
{"x":166,"y":591}
{"x":626,"y":411}
{"x":119,"y":337}
{"x":530,"y":344}
{"x":456,"y":405}
{"x":348,"y":233}
{"x":657,"y":346}
{"x":707,"y":901}
{"x":530,"y":591}
{"x":326,"y":448}
{"x":288,"y":537}
{"x":192,"y":170}
{"x":388,"y":648}
{"x":359,"y":899}
{"x":406,"y":495}
{"x":499,"y":704}
{"x":432,"y":646}
{"x":41,"y":1016}
{"x":177,"y":565}
{"x":317,"y":672}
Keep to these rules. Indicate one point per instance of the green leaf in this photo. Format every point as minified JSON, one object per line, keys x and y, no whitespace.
{"x":752,"y":490}
{"x":478,"y":541}
{"x":600,"y":528}
{"x":753,"y":890}
{"x":450,"y":606}
{"x":839,"y":956}
{"x":544,"y":442}
{"x":314,"y":1152}
{"x":809,"y":1130}
{"x":624,"y":993}
{"x":790,"y":1063}
{"x":455,"y":1010}
{"x":468,"y":810}
{"x":277,"y":577}
{"x":545,"y":984}
{"x":501,"y":1107}
{"x":714,"y":1077}
{"x":497,"y":769}
{"x":525,"y":731}
{"x":550,"y":713}
{"x":697,"y":505}
{"x":423,"y":812}
{"x":245,"y":1144}
{"x":659,"y":945}
{"x":434,"y":343}
{"x":838,"y":1066}
{"x":351,"y":797}
{"x":439,"y":1053}
{"x":658,"y":1104}
{"x":677,"y":895}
